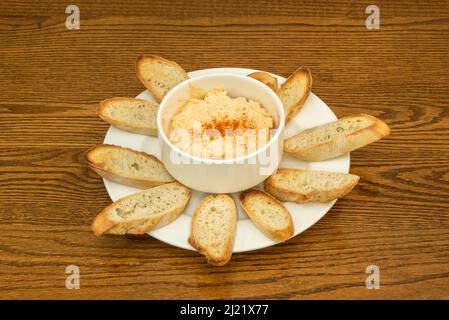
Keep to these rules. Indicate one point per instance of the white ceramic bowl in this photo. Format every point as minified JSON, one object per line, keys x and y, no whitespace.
{"x":230,"y":175}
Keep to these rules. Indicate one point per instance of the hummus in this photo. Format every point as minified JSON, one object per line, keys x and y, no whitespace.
{"x":220,"y":127}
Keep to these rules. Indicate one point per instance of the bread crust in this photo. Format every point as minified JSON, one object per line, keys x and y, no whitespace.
{"x":99,"y":168}
{"x":102,"y":224}
{"x":278,"y":235}
{"x":300,"y":72}
{"x":140,"y":59}
{"x":229,"y":245}
{"x":342,"y":145}
{"x":284,"y":194}
{"x":266,"y":79}
{"x":148,"y":131}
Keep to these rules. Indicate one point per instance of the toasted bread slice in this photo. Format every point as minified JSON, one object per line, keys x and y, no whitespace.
{"x":144,"y":211}
{"x":295,"y":91}
{"x":336,"y":138}
{"x":268,"y":214}
{"x":299,"y":185}
{"x":126,"y":166}
{"x":265,"y":78}
{"x":159,"y":75}
{"x":213,"y":228}
{"x":130,"y":114}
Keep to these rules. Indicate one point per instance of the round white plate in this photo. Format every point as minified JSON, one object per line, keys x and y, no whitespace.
{"x":248,"y":237}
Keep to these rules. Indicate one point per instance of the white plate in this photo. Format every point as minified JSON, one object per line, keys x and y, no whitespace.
{"x":248,"y":237}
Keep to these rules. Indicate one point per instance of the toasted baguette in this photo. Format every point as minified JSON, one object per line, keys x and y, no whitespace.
{"x":295,"y":91}
{"x":268,"y":214}
{"x":126,"y":166}
{"x":336,"y":138}
{"x":265,"y":78}
{"x":299,"y":185}
{"x":159,"y":75}
{"x":213,"y":228}
{"x":130,"y":114}
{"x":144,"y":211}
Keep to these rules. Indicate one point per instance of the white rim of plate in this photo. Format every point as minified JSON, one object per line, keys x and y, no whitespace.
{"x":248,"y":237}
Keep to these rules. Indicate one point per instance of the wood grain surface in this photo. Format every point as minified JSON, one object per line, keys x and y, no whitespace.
{"x":51,"y":80}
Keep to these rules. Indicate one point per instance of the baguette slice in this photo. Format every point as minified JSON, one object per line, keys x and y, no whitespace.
{"x":213,"y":228}
{"x":295,"y":91}
{"x":300,"y":186}
{"x":159,"y":75}
{"x":265,"y":78}
{"x":268,"y":214}
{"x":130,"y":114}
{"x":144,"y":211}
{"x":336,"y":138}
{"x":126,"y":166}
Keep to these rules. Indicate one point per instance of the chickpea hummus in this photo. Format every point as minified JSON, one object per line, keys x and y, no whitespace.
{"x":214,"y":125}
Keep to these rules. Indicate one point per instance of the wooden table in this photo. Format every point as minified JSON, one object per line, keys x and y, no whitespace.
{"x":51,"y":80}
